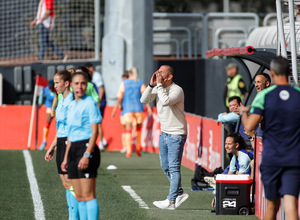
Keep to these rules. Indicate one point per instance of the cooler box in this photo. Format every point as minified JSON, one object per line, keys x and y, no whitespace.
{"x":233,"y":194}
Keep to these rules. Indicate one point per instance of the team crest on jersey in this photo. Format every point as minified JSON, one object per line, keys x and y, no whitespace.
{"x":284,"y":95}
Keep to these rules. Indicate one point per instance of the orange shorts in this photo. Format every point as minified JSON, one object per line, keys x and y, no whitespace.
{"x":134,"y":117}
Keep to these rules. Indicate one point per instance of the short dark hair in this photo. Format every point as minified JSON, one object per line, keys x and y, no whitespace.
{"x":267,"y":76}
{"x":87,"y":71}
{"x":280,"y":66}
{"x":238,"y":99}
{"x":170,"y":70}
{"x":51,"y":82}
{"x":237,"y":138}
{"x":88,"y":65}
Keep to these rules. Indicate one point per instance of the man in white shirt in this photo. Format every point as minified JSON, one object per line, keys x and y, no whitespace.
{"x":169,"y":99}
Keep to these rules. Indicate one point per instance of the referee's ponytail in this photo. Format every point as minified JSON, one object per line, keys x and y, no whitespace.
{"x":65,"y":75}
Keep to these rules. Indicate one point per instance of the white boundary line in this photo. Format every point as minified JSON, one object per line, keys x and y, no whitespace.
{"x":36,"y":197}
{"x":135,"y":196}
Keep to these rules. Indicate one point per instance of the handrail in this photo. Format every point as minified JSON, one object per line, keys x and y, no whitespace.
{"x":271,"y":16}
{"x":293,"y":41}
{"x":171,"y":40}
{"x":183,"y":15}
{"x":223,"y":15}
{"x":172,"y":15}
{"x":97,"y":40}
{"x":220,"y":30}
{"x":182,"y":47}
{"x":185,"y":29}
{"x":196,"y":30}
{"x":280,"y":30}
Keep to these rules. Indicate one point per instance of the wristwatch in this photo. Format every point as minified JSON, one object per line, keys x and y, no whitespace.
{"x":86,"y":154}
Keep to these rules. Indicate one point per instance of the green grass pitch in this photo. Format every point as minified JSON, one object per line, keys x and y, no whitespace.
{"x":143,"y":174}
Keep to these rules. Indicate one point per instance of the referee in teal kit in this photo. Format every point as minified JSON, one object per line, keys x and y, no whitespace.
{"x":82,"y":157}
{"x":62,"y":80}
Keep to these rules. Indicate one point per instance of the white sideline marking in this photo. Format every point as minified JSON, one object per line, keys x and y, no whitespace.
{"x":36,"y":197}
{"x":135,"y":196}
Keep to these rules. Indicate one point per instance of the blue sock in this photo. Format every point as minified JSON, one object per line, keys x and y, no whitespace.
{"x":74,"y":207}
{"x":92,"y":209}
{"x":43,"y":145}
{"x":82,"y":210}
{"x":68,"y":195}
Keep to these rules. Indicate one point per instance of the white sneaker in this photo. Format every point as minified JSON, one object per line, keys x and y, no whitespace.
{"x":124,"y":150}
{"x":104,"y":142}
{"x":164,"y":204}
{"x":180,"y":199}
{"x":101,"y":147}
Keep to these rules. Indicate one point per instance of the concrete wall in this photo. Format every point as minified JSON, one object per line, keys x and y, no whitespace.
{"x":127,"y":41}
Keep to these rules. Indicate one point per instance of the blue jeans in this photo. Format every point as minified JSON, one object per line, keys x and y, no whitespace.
{"x":170,"y":154}
{"x":45,"y":41}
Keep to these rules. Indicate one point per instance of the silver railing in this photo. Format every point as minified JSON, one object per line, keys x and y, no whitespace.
{"x":210,"y":16}
{"x":169,"y":41}
{"x":281,"y":34}
{"x":198,"y":34}
{"x":272,"y":16}
{"x":189,"y":40}
{"x":219,"y":31}
{"x":177,"y":29}
{"x":97,"y":29}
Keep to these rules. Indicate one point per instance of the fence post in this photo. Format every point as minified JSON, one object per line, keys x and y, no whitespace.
{"x":97,"y":29}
